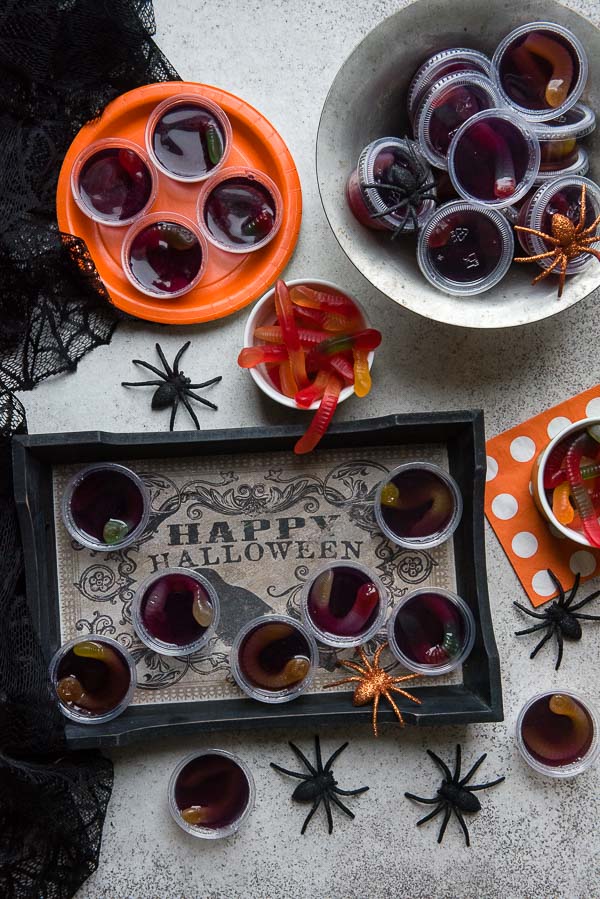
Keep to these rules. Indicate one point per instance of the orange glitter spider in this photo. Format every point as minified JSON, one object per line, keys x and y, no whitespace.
{"x":569,"y":240}
{"x":373,"y":683}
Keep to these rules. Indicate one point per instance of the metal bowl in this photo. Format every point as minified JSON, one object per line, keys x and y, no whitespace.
{"x":368,"y":100}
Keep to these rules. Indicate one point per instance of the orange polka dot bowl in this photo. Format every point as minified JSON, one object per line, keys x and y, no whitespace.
{"x":548,"y":470}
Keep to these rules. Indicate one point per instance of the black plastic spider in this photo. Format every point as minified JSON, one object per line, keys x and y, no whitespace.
{"x":319,"y":785}
{"x":560,"y":618}
{"x":454,"y":795}
{"x":173,"y":387}
{"x":407,"y":187}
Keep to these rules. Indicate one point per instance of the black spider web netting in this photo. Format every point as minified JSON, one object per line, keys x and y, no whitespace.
{"x":61,"y":62}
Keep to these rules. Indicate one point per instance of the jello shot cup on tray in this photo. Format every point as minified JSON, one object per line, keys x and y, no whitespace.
{"x":114,"y":182}
{"x":494,"y":158}
{"x":240,"y":210}
{"x":105,"y":507}
{"x":540,"y":70}
{"x":211,"y":794}
{"x":418,"y":505}
{"x":164,"y":255}
{"x":465,"y":249}
{"x":175,"y":612}
{"x":451,"y":101}
{"x":558,"y":734}
{"x":388,"y":171}
{"x":94,"y":678}
{"x":188,"y":137}
{"x":446,"y":62}
{"x":343,"y":604}
{"x":431,"y":631}
{"x":274,"y":658}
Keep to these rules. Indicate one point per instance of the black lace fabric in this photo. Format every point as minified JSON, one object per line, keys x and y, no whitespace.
{"x":61,"y":62}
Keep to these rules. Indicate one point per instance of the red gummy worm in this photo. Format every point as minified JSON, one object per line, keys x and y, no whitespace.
{"x":287,"y":323}
{"x":581,"y":446}
{"x":251,"y":356}
{"x":328,"y":302}
{"x":505,"y":182}
{"x":322,"y":417}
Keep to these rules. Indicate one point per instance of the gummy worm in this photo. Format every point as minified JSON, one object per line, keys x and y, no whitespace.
{"x":580,"y":446}
{"x":561,"y":505}
{"x":328,"y":302}
{"x":362,"y":375}
{"x":294,"y":670}
{"x":560,"y":59}
{"x":553,"y":473}
{"x":322,"y":417}
{"x":213,"y":144}
{"x":203,"y":611}
{"x":354,"y":621}
{"x":307,"y":396}
{"x":251,"y":356}
{"x":505,"y":182}
{"x":71,"y":691}
{"x":274,"y":334}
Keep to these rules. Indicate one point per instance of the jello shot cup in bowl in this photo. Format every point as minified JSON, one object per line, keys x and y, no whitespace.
{"x":240,"y":210}
{"x":446,"y":62}
{"x":263,"y":314}
{"x":189,"y":137}
{"x":559,"y":137}
{"x":114,"y":182}
{"x":565,"y":482}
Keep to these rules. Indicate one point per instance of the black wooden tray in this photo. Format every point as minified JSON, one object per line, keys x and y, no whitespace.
{"x":478,"y":698}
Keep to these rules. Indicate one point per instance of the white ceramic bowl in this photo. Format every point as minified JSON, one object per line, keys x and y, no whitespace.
{"x":537,"y":481}
{"x":263,"y":313}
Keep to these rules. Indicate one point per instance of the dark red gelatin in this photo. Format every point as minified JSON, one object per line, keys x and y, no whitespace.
{"x":465,"y":246}
{"x":274,"y":656}
{"x":214,"y":785}
{"x":491,"y":159}
{"x":525,"y":75}
{"x":425,"y":504}
{"x":240,"y":212}
{"x":456,"y":106}
{"x":430,"y":629}
{"x":105,"y":682}
{"x":557,"y":739}
{"x":188,"y":141}
{"x":352,"y":604}
{"x":102,"y":496}
{"x":115,"y":184}
{"x":165,"y":257}
{"x":167,"y":609}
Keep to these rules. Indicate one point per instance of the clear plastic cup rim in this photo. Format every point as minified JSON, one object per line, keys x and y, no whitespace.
{"x":580,"y":167}
{"x":251,"y":175}
{"x":87,"y":540}
{"x":260,"y":693}
{"x":479,"y":285}
{"x":533,"y":165}
{"x":202,"y":103}
{"x":80,"y":717}
{"x":468,"y":642}
{"x":541,"y":115}
{"x":260,"y":315}
{"x":560,"y":771}
{"x":160,"y":646}
{"x":109,"y":143}
{"x":337,"y":640}
{"x":426,"y":75}
{"x":420,"y":542}
{"x":548,"y":133}
{"x":153,"y":219}
{"x":426,"y":109}
{"x":203,"y":832}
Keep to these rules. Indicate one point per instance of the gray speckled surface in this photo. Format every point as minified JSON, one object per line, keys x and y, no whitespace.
{"x":534,"y":839}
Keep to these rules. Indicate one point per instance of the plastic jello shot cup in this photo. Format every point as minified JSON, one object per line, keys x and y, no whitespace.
{"x":446,"y":62}
{"x":559,"y":137}
{"x":558,"y":734}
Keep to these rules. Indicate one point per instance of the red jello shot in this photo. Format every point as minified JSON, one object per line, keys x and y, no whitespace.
{"x":446,"y":62}
{"x":540,"y":69}
{"x":580,"y":166}
{"x":442,"y":111}
{"x":558,"y":137}
{"x":211,"y":794}
{"x":113,"y":182}
{"x":494,"y":158}
{"x":387,"y":170}
{"x":164,"y":255}
{"x":188,"y":137}
{"x":561,"y":196}
{"x":240,"y":210}
{"x":558,"y":734}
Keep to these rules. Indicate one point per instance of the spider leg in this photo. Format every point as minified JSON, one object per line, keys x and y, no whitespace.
{"x":593,"y":252}
{"x":338,"y":683}
{"x":353,"y":666}
{"x":377,"y":655}
{"x":456,"y":775}
{"x":585,"y":601}
{"x":303,"y":759}
{"x":397,"y":711}
{"x":206,"y":383}
{"x":582,"y":210}
{"x":472,"y":771}
{"x":170,"y":371}
{"x":529,"y":612}
{"x":398,"y":680}
{"x":444,"y":823}
{"x":177,"y":359}
{"x":333,"y":757}
{"x":390,"y":209}
{"x":328,"y":811}
{"x":400,"y":227}
{"x":562,"y":600}
{"x":173,"y":413}
{"x":461,"y":821}
{"x":316,"y":805}
{"x":546,"y":237}
{"x":200,"y":399}
{"x":534,"y":258}
{"x":559,"y":638}
{"x":491,"y":783}
{"x":349,"y":792}
{"x":549,"y":270}
{"x":343,"y":807}
{"x":318,"y":755}
{"x":193,"y":415}
{"x":141,"y":383}
{"x":442,"y":765}
{"x":542,"y":642}
{"x":374,"y":715}
{"x":590,"y":228}
{"x":365,"y":659}
{"x":406,"y":695}
{"x":153,"y":368}
{"x":414,"y":218}
{"x":433,"y":801}
{"x":287,"y":771}
{"x":436,"y":811}
{"x":586,"y":617}
{"x":530,"y":630}
{"x":563,"y":275}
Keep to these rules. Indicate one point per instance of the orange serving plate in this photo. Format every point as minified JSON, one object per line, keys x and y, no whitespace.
{"x":231,"y":281}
